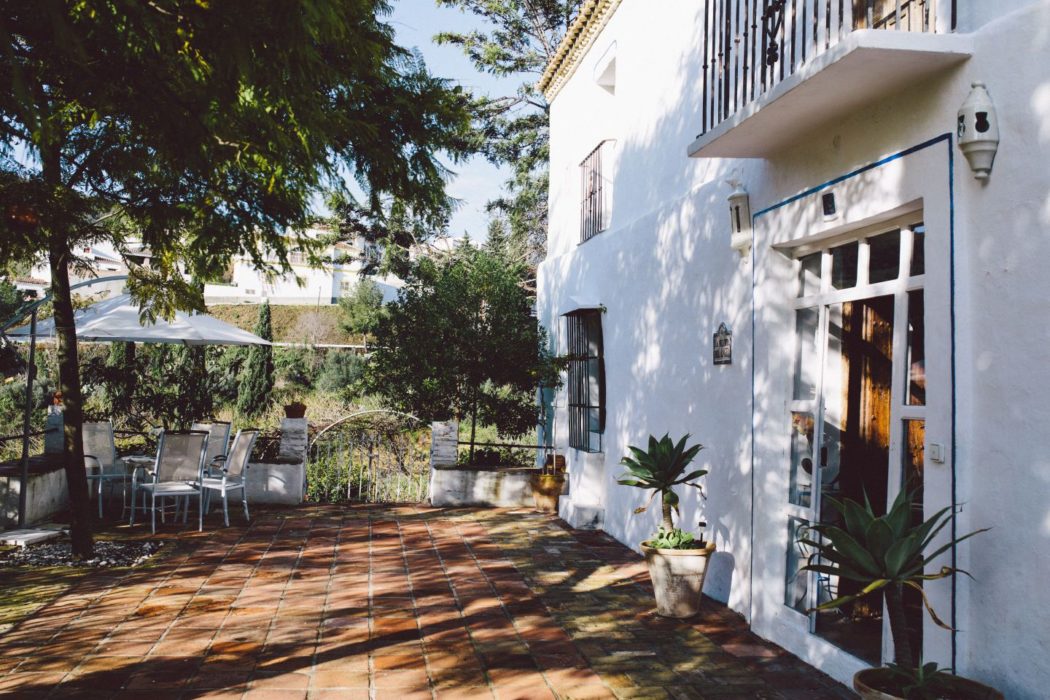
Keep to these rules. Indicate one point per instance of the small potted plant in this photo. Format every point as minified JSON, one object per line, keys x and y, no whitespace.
{"x":887,"y":553}
{"x":295,"y":409}
{"x":549,"y":483}
{"x":676,"y":559}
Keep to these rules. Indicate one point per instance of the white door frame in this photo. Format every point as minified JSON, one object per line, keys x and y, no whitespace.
{"x":870,"y":199}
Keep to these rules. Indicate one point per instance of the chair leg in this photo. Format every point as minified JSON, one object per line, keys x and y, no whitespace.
{"x":225,"y":508}
{"x":244,"y":502}
{"x":133,"y":485}
{"x":100,"y":497}
{"x":200,"y":511}
{"x":153,"y":512}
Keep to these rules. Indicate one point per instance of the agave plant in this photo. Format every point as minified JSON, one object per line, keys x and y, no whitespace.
{"x":661,"y":468}
{"x":883,"y":553}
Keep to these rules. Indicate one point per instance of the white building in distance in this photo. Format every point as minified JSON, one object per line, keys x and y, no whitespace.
{"x":878,"y":298}
{"x":307,"y":283}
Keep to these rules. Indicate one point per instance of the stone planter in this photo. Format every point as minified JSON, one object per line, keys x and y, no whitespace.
{"x":867,"y":681}
{"x":678,"y":578}
{"x":546,"y":490}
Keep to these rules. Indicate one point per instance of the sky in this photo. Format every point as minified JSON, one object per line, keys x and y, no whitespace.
{"x":476,"y":181}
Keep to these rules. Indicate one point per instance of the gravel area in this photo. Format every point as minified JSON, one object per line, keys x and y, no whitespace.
{"x":107,"y":554}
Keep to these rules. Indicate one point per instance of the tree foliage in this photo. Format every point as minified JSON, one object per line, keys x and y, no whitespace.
{"x":519,"y":39}
{"x":362,"y":309}
{"x":256,"y":388}
{"x":204,"y":128}
{"x":460,"y":341}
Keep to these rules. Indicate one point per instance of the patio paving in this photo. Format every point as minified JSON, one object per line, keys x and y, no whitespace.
{"x":390,"y":602}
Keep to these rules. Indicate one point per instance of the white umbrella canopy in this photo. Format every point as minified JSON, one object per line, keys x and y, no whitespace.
{"x":117,"y":320}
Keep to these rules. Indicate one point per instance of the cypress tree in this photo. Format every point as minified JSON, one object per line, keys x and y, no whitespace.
{"x":256,"y":389}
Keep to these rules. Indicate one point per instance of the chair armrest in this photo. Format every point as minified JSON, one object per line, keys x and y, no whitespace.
{"x":93,"y":462}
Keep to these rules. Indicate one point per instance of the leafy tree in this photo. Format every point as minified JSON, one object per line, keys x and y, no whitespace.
{"x":363,"y":308}
{"x":295,"y":367}
{"x":224,"y":371}
{"x":10,"y":300}
{"x":256,"y":388}
{"x":461,"y":341}
{"x":205,"y":129}
{"x":117,"y":376}
{"x":519,"y":39}
{"x":340,"y":372}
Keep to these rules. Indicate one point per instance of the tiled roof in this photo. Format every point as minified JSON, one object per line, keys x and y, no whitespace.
{"x":594,"y":14}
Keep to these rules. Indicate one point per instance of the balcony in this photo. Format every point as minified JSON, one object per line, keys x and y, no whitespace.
{"x":775,"y":70}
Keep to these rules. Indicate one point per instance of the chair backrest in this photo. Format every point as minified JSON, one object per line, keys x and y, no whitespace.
{"x":218,"y":438}
{"x":98,"y":442}
{"x":241,"y":452}
{"x":180,"y":455}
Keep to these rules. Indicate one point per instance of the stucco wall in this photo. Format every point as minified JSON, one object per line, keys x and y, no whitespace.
{"x":667,"y":276}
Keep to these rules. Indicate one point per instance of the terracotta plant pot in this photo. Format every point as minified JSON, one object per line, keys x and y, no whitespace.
{"x":296,"y":409}
{"x":678,"y":578}
{"x":546,"y":488}
{"x":867,"y":682}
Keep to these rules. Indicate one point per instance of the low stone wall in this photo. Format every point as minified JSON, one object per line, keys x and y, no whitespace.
{"x":47,"y":494}
{"x":498,"y":487}
{"x":281,"y":483}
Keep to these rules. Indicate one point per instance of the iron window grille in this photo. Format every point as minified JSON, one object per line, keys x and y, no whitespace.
{"x":594,"y":194}
{"x":586,"y":375}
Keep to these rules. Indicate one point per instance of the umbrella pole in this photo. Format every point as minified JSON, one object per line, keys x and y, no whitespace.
{"x":23,"y":491}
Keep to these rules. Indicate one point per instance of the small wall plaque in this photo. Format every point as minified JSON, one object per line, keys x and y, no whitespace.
{"x":723,"y":346}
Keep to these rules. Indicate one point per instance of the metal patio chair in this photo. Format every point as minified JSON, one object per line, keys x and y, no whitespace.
{"x":218,"y":439}
{"x":228,"y":474}
{"x":101,"y":461}
{"x":177,"y":473}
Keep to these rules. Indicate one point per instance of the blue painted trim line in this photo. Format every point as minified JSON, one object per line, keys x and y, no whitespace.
{"x":945,"y":138}
{"x":951,"y":317}
{"x":858,"y":171}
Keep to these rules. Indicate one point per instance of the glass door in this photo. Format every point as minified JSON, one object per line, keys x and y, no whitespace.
{"x":857,"y":411}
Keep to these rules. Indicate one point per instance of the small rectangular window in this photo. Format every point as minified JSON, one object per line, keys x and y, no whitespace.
{"x":918,"y":250}
{"x":586,"y":385}
{"x":844,"y":261}
{"x":809,"y":274}
{"x":594,"y":193}
{"x":885,"y":262}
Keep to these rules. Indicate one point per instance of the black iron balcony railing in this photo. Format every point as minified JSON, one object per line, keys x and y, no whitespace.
{"x":749,"y":46}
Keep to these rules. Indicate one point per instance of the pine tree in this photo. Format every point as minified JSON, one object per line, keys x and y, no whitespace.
{"x":256,"y":389}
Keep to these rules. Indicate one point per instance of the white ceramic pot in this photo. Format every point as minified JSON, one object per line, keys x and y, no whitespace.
{"x":678,"y":578}
{"x":867,"y":682}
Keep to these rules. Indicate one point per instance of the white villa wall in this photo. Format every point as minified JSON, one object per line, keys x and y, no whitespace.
{"x":667,"y":276}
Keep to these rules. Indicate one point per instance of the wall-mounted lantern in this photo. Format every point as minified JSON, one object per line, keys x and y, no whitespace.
{"x":978,"y":131}
{"x":739,"y":217}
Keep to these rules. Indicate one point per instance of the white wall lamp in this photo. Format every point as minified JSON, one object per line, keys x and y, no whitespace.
{"x":978,"y":131}
{"x":739,"y":216}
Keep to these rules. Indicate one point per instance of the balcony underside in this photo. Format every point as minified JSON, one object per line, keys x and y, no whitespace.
{"x":866,"y":66}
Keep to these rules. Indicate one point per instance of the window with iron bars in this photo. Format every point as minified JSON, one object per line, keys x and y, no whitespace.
{"x":594,"y":193}
{"x":586,"y":385}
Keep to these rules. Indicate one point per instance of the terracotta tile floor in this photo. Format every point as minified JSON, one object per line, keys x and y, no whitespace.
{"x":389,"y":602}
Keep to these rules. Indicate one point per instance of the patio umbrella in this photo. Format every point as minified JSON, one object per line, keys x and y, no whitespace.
{"x":117,"y":320}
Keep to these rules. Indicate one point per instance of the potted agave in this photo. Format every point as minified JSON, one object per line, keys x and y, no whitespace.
{"x":888,"y":553}
{"x":676,"y":559}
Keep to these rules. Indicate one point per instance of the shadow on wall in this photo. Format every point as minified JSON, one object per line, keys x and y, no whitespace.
{"x":668,"y":279}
